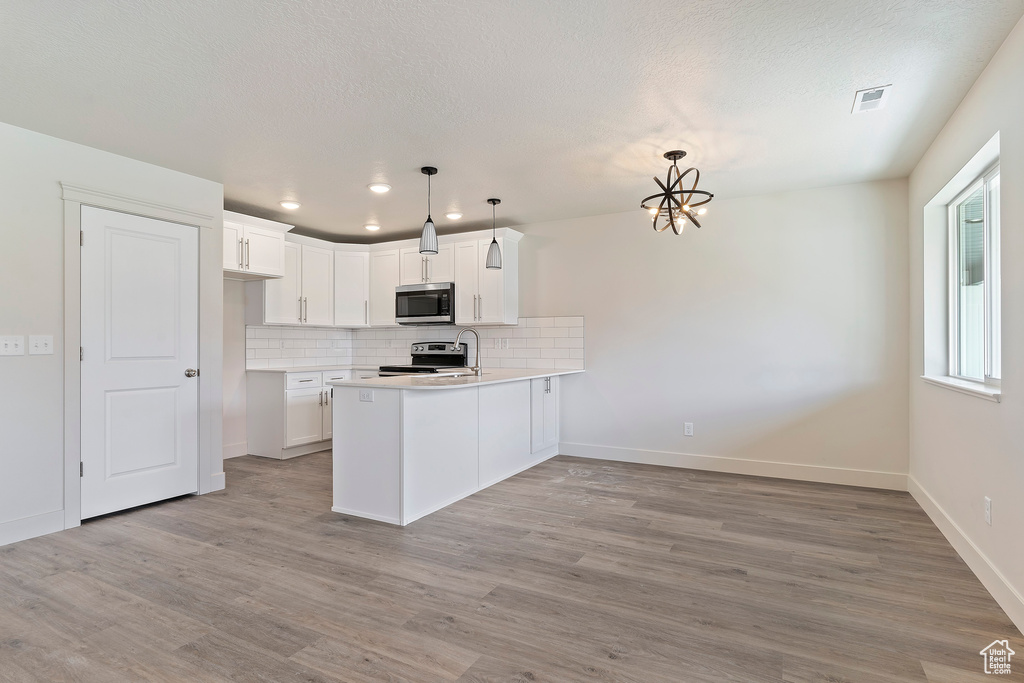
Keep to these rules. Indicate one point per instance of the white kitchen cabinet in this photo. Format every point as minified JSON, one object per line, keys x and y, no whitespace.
{"x":253,"y":247}
{"x":483,"y":295}
{"x":543,"y":413}
{"x":384,"y":278}
{"x":289,"y":413}
{"x":351,"y":288}
{"x":304,"y":295}
{"x":416,"y":268}
{"x":317,"y":286}
{"x":304,"y":409}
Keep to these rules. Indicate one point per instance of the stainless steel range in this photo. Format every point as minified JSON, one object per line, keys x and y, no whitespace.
{"x":430,"y":357}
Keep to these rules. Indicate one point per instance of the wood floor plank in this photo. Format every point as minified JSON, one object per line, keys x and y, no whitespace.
{"x":575,"y":570}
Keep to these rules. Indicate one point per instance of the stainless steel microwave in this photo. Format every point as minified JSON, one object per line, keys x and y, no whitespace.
{"x":425,"y":304}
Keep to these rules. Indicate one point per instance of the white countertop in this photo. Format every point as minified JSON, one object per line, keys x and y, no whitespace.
{"x":490,"y":376}
{"x":318,"y":368}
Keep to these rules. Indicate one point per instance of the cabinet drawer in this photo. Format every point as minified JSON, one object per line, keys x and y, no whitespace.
{"x":304,"y":380}
{"x":337,"y":375}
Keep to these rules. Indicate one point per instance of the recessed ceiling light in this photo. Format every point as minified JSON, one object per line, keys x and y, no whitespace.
{"x":290,"y":204}
{"x":379,"y":188}
{"x":454,"y":215}
{"x":371,"y":227}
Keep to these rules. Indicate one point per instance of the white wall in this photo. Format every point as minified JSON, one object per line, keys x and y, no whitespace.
{"x":964,"y":448}
{"x":234,"y":369}
{"x":779,"y":330}
{"x":32,"y":166}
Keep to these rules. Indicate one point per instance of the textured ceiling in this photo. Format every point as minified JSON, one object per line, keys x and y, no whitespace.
{"x":560,"y":108}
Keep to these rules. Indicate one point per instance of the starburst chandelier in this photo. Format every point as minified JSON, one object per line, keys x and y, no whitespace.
{"x":675,"y":204}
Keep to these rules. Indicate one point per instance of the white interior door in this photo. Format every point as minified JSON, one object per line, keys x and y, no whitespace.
{"x":140,"y":337}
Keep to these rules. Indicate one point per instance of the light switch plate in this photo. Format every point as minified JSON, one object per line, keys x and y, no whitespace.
{"x":12,"y":345}
{"x":40,"y":345}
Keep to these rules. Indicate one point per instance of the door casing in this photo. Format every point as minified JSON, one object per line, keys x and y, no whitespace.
{"x":211,"y":476}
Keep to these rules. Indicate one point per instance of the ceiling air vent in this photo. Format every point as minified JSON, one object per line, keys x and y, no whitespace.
{"x":871,"y":98}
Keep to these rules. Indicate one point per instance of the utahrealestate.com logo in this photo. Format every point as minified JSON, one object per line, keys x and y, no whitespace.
{"x":997,"y":657}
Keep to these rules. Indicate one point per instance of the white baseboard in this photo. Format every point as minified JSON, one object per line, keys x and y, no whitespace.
{"x":235,"y":450}
{"x":30,"y":527}
{"x":217,"y":482}
{"x":991,"y":578}
{"x":367,"y":515}
{"x":760,"y":468}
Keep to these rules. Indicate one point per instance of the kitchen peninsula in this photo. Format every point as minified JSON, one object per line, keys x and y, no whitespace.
{"x":417,"y":443}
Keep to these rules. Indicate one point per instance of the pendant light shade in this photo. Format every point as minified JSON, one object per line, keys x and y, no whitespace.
{"x":493,"y":251}
{"x":428,"y":238}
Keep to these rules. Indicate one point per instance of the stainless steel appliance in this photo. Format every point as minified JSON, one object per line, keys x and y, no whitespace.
{"x":425,"y":304}
{"x":430,"y":357}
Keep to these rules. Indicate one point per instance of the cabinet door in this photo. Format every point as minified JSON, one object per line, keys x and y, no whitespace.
{"x":413,"y":268}
{"x":543,"y":413}
{"x":304,"y":416}
{"x":351,"y":289}
{"x":383,"y":280}
{"x":327,"y":415}
{"x":491,"y":290}
{"x":467,"y":265}
{"x":317,"y":286}
{"x":264,"y":252}
{"x":441,"y":266}
{"x":232,"y":246}
{"x":281,"y":303}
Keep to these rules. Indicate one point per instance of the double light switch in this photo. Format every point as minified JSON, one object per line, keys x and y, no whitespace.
{"x":38,"y":345}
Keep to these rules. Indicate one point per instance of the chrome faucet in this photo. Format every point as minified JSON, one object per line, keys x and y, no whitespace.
{"x":477,"y":370}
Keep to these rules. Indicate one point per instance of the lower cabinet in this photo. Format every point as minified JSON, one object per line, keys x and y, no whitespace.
{"x":543,"y":414}
{"x":289,"y":413}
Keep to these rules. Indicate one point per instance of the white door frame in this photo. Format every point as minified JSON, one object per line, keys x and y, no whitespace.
{"x":209,"y":357}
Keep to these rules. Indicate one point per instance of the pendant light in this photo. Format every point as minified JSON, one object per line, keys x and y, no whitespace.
{"x":493,"y":251}
{"x":675,"y":202}
{"x":428,"y":240}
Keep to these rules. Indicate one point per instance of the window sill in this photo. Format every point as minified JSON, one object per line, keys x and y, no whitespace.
{"x":964,"y":387}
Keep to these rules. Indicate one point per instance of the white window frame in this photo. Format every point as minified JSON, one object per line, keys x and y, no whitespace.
{"x":982,"y":181}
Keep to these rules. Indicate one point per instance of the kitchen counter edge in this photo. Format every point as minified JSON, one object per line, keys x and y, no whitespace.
{"x":417,"y":382}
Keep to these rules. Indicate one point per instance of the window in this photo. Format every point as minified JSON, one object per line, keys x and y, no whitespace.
{"x":974,"y":296}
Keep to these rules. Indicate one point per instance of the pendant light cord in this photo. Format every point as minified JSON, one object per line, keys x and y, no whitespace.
{"x":428,"y":197}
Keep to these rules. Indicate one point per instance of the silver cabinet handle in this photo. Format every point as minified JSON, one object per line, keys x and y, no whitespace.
{"x":321,"y":398}
{"x":247,"y":254}
{"x":305,"y":307}
{"x":300,"y":309}
{"x":366,"y":311}
{"x":191,"y":372}
{"x":241,"y":248}
{"x":474,"y":307}
{"x":305,"y":380}
{"x":480,"y":305}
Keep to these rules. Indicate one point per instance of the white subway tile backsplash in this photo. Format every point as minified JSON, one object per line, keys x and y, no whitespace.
{"x":542,"y":343}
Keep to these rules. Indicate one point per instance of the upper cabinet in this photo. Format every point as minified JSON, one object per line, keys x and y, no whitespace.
{"x":351,"y":285}
{"x":351,"y":288}
{"x":416,"y":268}
{"x":253,"y":247}
{"x":384,"y":277}
{"x":305,"y":293}
{"x":484,"y":295}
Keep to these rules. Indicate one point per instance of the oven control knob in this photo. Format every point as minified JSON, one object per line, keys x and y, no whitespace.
{"x":417,"y":349}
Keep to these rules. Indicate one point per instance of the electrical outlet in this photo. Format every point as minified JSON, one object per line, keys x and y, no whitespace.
{"x":497,"y":343}
{"x":504,"y":343}
{"x":40,"y":345}
{"x":13,"y":345}
{"x":688,"y":428}
{"x":366,"y":395}
{"x":988,"y":510}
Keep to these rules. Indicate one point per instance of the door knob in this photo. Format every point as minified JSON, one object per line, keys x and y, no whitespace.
{"x":191,"y":373}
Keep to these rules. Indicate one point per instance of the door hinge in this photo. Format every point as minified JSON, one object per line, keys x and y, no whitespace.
{"x":81,"y":469}
{"x":81,"y":238}
{"x":81,"y":353}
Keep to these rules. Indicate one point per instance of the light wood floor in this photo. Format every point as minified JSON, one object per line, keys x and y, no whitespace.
{"x":577,"y":570}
